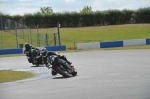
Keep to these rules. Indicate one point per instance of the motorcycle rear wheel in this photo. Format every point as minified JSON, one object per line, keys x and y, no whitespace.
{"x":37,"y":64}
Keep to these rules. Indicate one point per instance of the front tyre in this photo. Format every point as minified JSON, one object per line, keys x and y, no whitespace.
{"x":74,"y":73}
{"x":62,"y":71}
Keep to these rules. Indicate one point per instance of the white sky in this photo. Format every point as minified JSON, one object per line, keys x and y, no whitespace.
{"x":20,"y":7}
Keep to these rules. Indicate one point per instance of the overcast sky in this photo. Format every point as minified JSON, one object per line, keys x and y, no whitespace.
{"x":20,"y":7}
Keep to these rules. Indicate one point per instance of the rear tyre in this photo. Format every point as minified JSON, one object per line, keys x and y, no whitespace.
{"x":37,"y":64}
{"x":54,"y":73}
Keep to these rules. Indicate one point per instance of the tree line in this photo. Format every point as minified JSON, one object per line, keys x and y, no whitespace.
{"x":86,"y":17}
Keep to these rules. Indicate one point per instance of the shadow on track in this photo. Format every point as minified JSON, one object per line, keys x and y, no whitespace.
{"x":38,"y":66}
{"x":61,"y":77}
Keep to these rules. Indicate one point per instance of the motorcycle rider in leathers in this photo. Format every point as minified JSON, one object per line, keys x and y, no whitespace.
{"x":45,"y":53}
{"x":29,"y":52}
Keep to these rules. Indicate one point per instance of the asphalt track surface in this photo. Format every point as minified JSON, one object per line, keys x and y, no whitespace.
{"x":102,"y":74}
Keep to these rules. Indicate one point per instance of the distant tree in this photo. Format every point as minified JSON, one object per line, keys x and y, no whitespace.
{"x":38,"y":13}
{"x":29,"y":20}
{"x":99,"y":18}
{"x":46,"y":10}
{"x":126,"y":16}
{"x":143,"y":15}
{"x":17,"y":18}
{"x":1,"y":14}
{"x":86,"y":9}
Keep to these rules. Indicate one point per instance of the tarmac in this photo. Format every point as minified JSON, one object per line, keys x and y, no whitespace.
{"x":102,"y":74}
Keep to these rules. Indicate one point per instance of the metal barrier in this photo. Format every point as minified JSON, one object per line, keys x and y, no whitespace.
{"x":14,"y":34}
{"x":109,"y":44}
{"x":20,"y":50}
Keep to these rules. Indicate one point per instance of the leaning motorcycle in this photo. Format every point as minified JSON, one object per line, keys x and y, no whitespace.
{"x":61,"y":66}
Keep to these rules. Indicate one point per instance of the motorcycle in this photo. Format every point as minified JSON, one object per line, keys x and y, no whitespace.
{"x":61,"y":66}
{"x":34,"y":57}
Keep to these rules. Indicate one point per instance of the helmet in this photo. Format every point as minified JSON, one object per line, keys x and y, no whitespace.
{"x":44,"y":51}
{"x":27,"y":45}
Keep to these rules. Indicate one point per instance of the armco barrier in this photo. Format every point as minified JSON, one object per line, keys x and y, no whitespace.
{"x":147,"y":41}
{"x":111,"y":44}
{"x":11,"y":51}
{"x":55,"y":48}
{"x":20,"y":50}
{"x":89,"y":45}
{"x":134,"y":42}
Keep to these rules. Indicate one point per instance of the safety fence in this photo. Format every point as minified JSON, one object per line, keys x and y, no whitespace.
{"x":14,"y":34}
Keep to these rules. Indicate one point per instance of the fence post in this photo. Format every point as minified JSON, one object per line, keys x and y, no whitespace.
{"x":30,"y":36}
{"x":58,"y":25}
{"x":38,"y":37}
{"x":55,"y":39}
{"x":22,"y":33}
{"x":1,"y":32}
{"x":16,"y":34}
{"x":46,"y":39}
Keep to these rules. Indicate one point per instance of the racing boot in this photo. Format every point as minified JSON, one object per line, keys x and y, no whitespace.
{"x":53,"y":72}
{"x":48,"y":66}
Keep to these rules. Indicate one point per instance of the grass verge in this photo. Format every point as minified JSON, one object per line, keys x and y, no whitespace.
{"x":129,"y":47}
{"x":72,"y":36}
{"x":11,"y":55}
{"x":9,"y":76}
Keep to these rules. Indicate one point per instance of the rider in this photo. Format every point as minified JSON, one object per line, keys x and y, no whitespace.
{"x":46,"y":53}
{"x":27,"y":50}
{"x":27,"y":47}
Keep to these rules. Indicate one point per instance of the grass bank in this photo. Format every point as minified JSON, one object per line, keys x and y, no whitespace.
{"x":104,"y":33}
{"x":9,"y":76}
{"x":72,"y":36}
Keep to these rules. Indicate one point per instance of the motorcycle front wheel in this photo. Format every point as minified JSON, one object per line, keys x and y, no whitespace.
{"x":74,"y":73}
{"x":63,"y":72}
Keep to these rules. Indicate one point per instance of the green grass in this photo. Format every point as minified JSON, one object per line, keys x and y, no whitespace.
{"x":104,"y":33}
{"x":71,"y":36}
{"x":129,"y":47}
{"x":11,"y":55}
{"x":9,"y":76}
